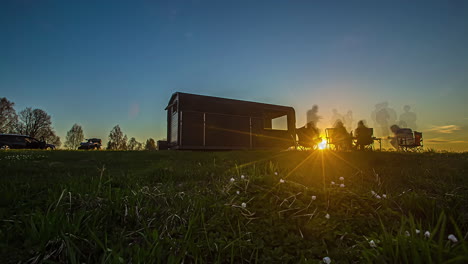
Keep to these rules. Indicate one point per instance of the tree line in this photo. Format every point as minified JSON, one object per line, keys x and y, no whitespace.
{"x":37,"y":123}
{"x":117,"y":140}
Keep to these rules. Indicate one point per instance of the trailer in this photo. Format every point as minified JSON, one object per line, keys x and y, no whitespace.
{"x":198,"y":122}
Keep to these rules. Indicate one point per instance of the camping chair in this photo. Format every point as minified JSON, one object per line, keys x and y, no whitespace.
{"x":366,"y":140}
{"x":334,"y":142}
{"x":305,"y":141}
{"x":411,"y":143}
{"x":329,"y":134}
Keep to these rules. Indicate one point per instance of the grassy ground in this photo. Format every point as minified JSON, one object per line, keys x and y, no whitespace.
{"x":237,"y":207}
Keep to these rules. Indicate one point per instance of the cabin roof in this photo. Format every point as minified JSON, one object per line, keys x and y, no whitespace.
{"x":196,"y":102}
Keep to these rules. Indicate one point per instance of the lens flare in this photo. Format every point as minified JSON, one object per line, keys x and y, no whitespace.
{"x":322,"y":145}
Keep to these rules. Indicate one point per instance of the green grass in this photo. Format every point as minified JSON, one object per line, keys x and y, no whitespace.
{"x":173,"y":207}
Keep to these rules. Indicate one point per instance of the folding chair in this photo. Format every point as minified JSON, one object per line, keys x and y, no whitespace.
{"x":367,"y":140}
{"x":329,"y":134}
{"x":304,"y":141}
{"x":407,"y":143}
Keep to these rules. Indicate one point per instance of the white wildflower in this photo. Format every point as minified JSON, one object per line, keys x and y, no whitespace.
{"x":342,"y":185}
{"x":373,"y":193}
{"x":242,"y":177}
{"x":332,"y":183}
{"x":237,"y":192}
{"x":453,"y":238}
{"x":327,"y":216}
{"x":378,"y":196}
{"x":372,"y":243}
{"x":407,"y":233}
{"x":427,"y":234}
{"x":233,"y":180}
{"x":384,"y":196}
{"x":281,"y":181}
{"x":276,"y":173}
{"x":244,"y":205}
{"x":326,"y":260}
{"x":341,"y":178}
{"x":417,"y":231}
{"x":314,"y":197}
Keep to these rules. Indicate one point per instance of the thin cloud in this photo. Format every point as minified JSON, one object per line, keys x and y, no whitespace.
{"x":444,"y":141}
{"x":445,"y":129}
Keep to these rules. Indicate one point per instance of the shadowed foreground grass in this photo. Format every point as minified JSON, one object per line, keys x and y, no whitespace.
{"x":237,"y":207}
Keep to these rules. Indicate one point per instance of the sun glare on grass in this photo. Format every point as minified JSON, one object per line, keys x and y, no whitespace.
{"x":323,"y":144}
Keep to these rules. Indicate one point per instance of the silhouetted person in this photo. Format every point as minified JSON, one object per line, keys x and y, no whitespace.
{"x":335,"y":117}
{"x":309,"y":135}
{"x":401,"y":136}
{"x":341,"y":138}
{"x":312,"y":115}
{"x":363,"y":135}
{"x":408,"y":117}
{"x":348,"y":119}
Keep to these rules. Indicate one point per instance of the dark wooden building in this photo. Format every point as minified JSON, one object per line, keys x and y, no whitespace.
{"x":197,"y":122}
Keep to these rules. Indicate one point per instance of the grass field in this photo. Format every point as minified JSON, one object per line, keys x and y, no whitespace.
{"x":233,"y":207}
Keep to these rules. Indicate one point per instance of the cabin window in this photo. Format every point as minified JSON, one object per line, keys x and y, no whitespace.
{"x":275,"y":121}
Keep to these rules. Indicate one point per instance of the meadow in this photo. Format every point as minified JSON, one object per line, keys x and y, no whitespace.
{"x":233,"y":207}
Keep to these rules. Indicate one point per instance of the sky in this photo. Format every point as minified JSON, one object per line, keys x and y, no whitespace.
{"x":103,"y":63}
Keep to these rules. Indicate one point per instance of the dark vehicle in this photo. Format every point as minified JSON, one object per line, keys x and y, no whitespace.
{"x":11,"y":141}
{"x":197,"y":122}
{"x":92,"y":143}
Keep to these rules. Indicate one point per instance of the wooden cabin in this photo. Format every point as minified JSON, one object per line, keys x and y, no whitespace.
{"x":198,"y":122}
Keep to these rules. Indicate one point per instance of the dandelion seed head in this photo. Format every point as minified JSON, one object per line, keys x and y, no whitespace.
{"x":332,"y":183}
{"x":232,"y":179}
{"x":314,"y":197}
{"x":378,"y":196}
{"x":417,"y":231}
{"x":427,"y":234}
{"x":341,"y":178}
{"x":276,"y":173}
{"x":242,"y":177}
{"x":342,"y":185}
{"x":327,"y":216}
{"x":244,"y":205}
{"x":384,"y":196}
{"x":452,"y":238}
{"x":326,"y":260}
{"x":281,"y":181}
{"x":237,"y":192}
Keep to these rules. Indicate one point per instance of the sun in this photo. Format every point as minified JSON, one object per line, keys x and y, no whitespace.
{"x":322,"y":145}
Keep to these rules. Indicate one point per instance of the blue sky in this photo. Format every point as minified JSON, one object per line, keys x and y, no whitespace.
{"x":102,"y":63}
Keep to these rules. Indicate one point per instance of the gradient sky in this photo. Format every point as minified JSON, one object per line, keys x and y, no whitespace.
{"x":102,"y":63}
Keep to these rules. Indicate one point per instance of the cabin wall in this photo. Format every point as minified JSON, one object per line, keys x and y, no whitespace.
{"x":200,"y":122}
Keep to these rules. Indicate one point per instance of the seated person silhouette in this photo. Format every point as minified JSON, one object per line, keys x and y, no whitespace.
{"x":308,"y":135}
{"x":363,"y":136}
{"x":341,"y":138}
{"x":401,"y":137}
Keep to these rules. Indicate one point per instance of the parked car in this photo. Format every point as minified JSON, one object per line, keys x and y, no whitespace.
{"x":12,"y":141}
{"x":92,"y":143}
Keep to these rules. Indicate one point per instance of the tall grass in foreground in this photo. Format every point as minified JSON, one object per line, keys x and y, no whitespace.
{"x":235,"y":207}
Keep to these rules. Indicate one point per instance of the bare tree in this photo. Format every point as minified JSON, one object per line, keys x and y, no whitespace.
{"x":117,"y":140}
{"x":74,"y":137}
{"x":150,"y":144}
{"x":8,"y":116}
{"x":36,"y":123}
{"x":133,"y":144}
